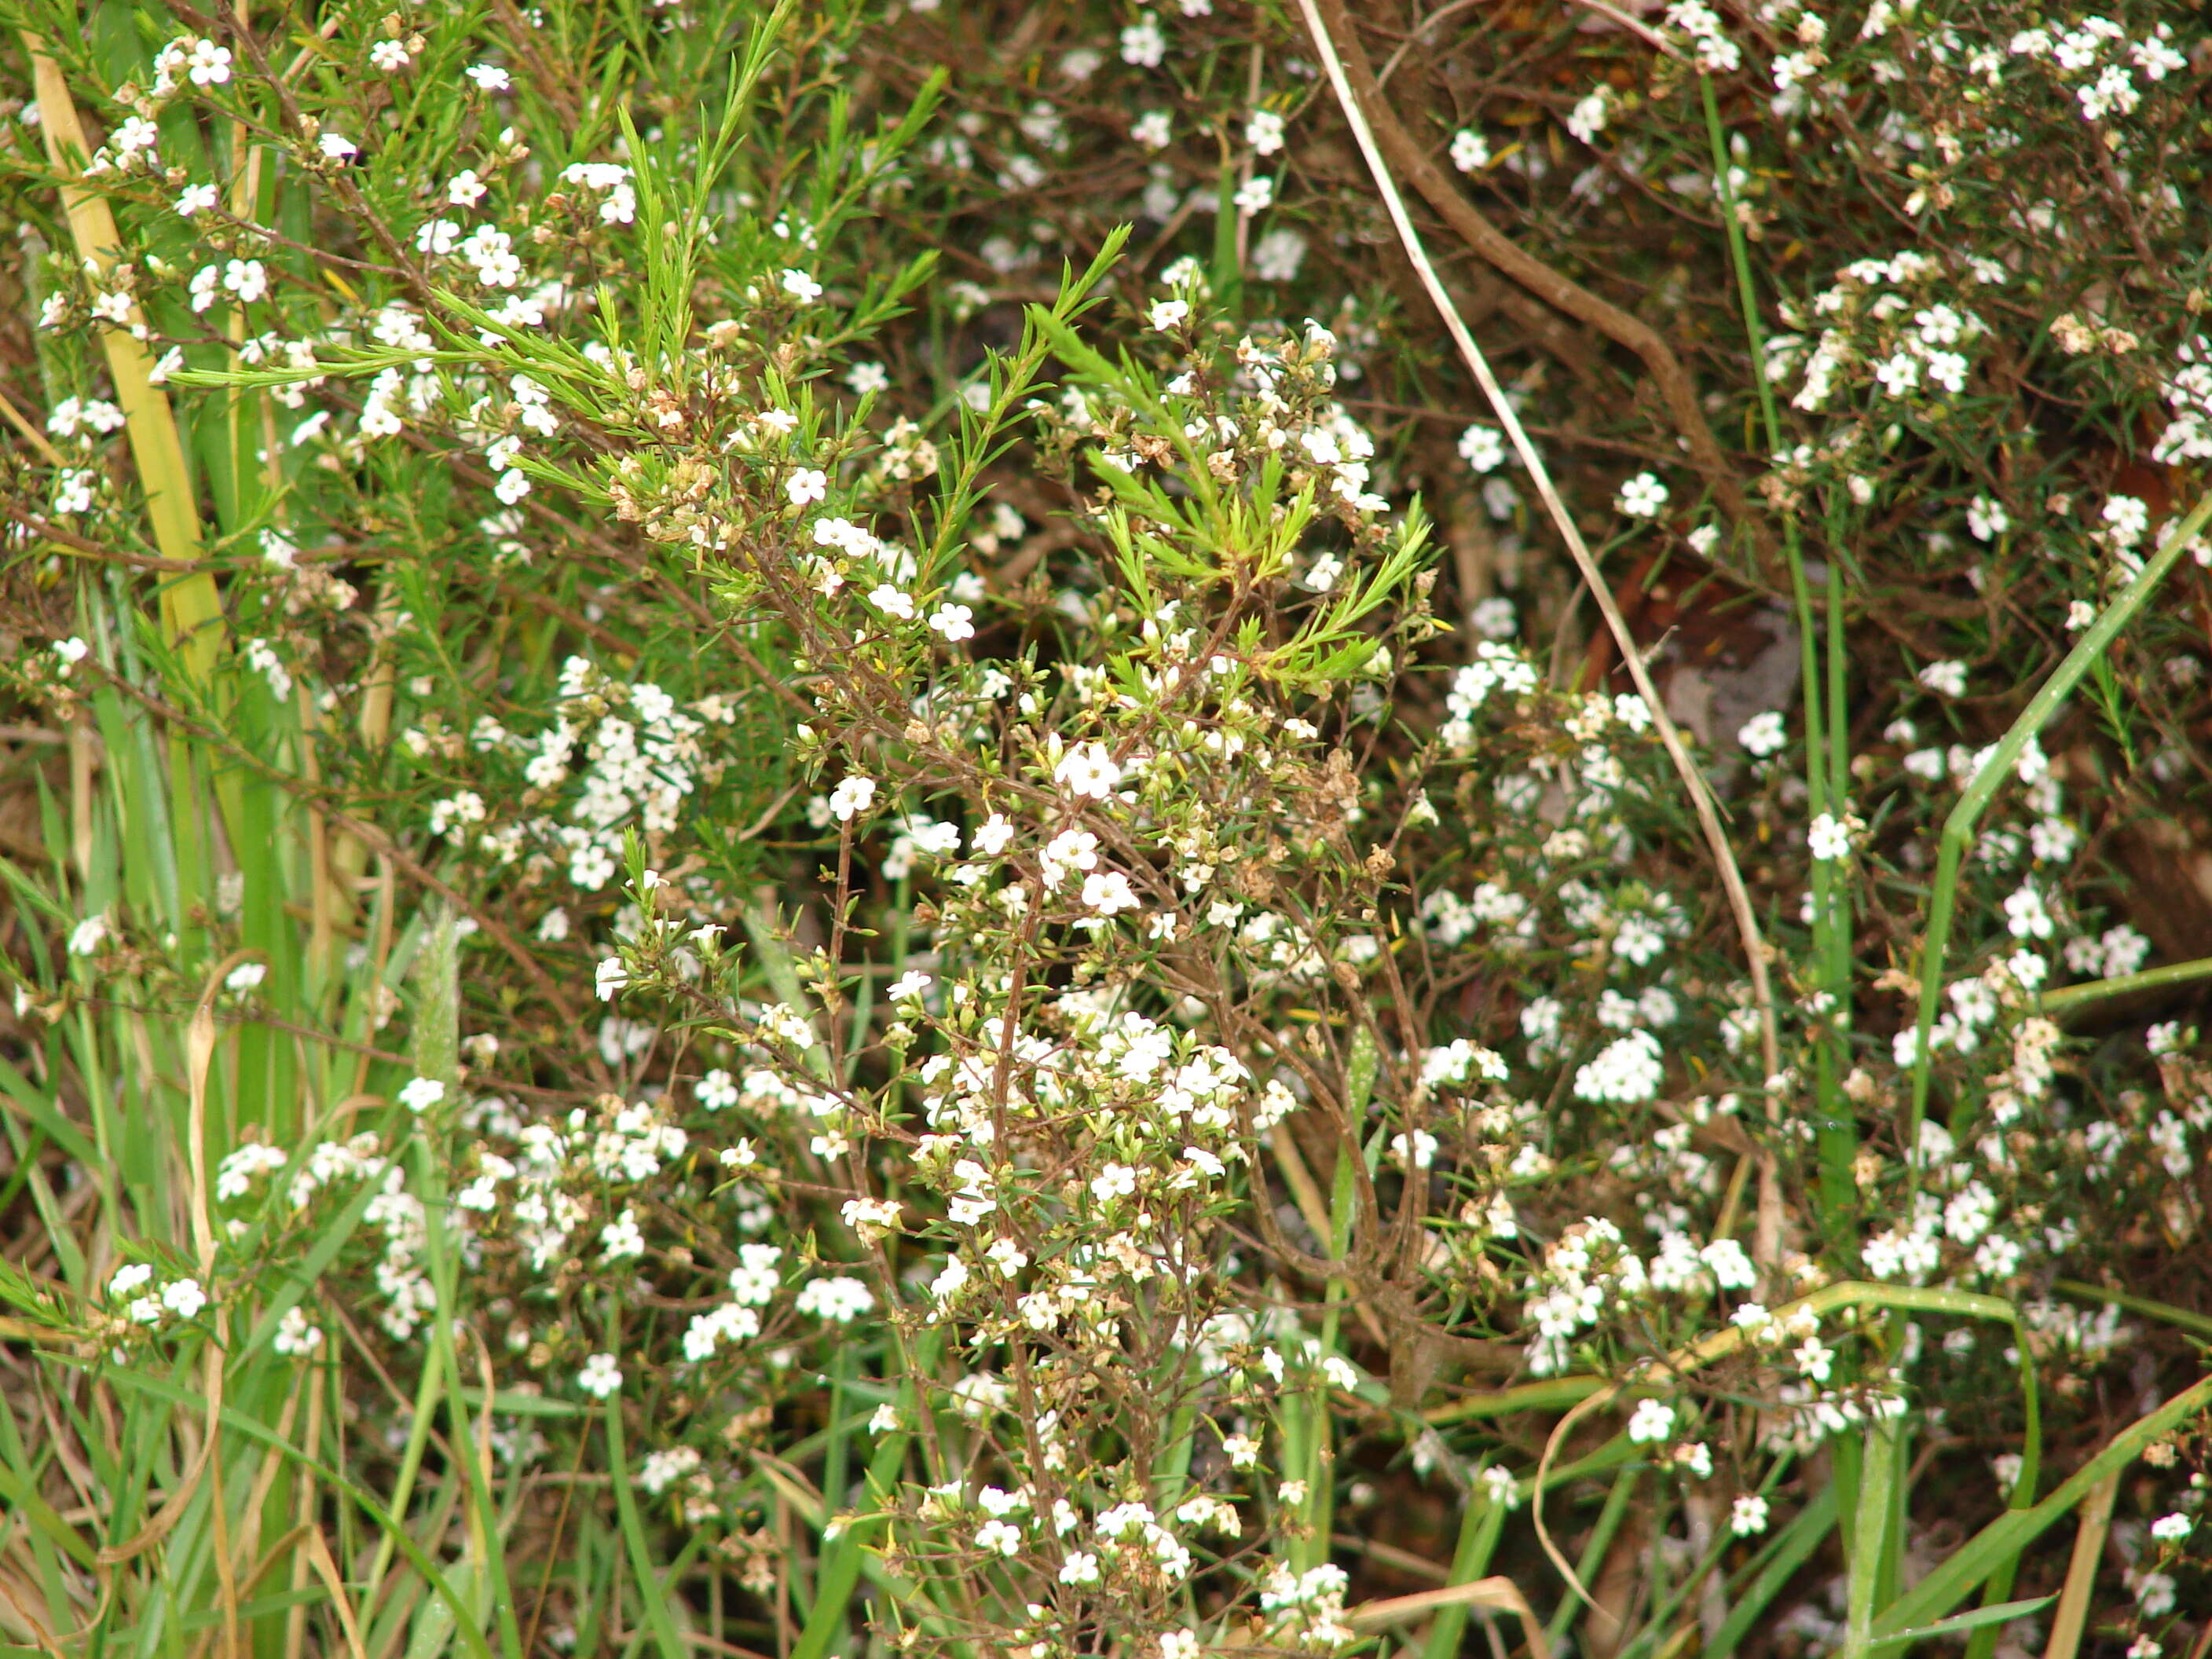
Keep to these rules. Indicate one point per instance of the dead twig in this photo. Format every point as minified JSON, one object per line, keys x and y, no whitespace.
{"x":1377,"y":124}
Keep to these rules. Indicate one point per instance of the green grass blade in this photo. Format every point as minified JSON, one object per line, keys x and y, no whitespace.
{"x":2004,"y":1539}
{"x":1979,"y":1619}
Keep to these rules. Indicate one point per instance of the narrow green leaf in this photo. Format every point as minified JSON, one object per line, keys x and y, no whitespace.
{"x":2003,"y":1613}
{"x":2006,"y":1537}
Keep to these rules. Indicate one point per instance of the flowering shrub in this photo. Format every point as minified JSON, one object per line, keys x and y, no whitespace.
{"x":800,"y":899}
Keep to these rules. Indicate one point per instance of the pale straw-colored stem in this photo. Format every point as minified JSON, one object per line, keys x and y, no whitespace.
{"x":1768,"y":1239}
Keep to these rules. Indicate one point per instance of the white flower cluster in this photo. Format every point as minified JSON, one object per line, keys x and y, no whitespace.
{"x":541,"y":1192}
{"x":1277,"y":405}
{"x":1588,"y":1271}
{"x":401,"y":1282}
{"x":1306,"y":1609}
{"x":1498,"y":667}
{"x":2188,"y":394}
{"x":1895,"y":322}
{"x":643,"y":756}
{"x":2100,"y":63}
{"x":140,"y":1296}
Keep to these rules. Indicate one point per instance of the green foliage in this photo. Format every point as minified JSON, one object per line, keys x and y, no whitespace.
{"x":784,"y":873}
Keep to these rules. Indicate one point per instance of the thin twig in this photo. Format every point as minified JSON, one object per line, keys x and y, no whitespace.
{"x":1391,"y":64}
{"x":1642,"y":31}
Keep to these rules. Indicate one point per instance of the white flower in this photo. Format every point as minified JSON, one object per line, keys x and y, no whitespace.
{"x":1830,"y":837}
{"x":991,"y":837}
{"x":1114,"y":1180}
{"x":209,"y":64}
{"x":1419,"y":1150}
{"x":2126,"y":518}
{"x":664,"y":1468}
{"x":2154,"y":1593}
{"x":1900,"y":373}
{"x":1469,"y":150}
{"x":1763,"y":734}
{"x":841,"y":1300}
{"x":851,"y":798}
{"x":1731,"y":1269}
{"x":2171,"y":1528}
{"x":609,"y":977}
{"x":999,"y":1537}
{"x":1088,"y":770}
{"x":337,"y":146}
{"x":909,"y":987}
{"x":1588,"y":118}
{"x":246,"y":278}
{"x":1276,"y":256}
{"x":1815,"y":1358}
{"x":892,"y":601}
{"x":438,"y":236}
{"x":135,"y":134}
{"x":491,"y":251}
{"x":88,"y":935}
{"x":1165,"y":315}
{"x":1494,"y":618}
{"x":466,"y":189}
{"x":1747,"y":1518}
{"x":295,"y":1335}
{"x":489,"y":77}
{"x":1653,"y":1419}
{"x":806,"y":484}
{"x":1108,"y":893}
{"x":1142,"y":45}
{"x":420,"y":1094}
{"x":1255,"y":195}
{"x":128,"y":1278}
{"x":196,"y":199}
{"x":801,"y":286}
{"x":622,"y":1238}
{"x":184,"y":1298}
{"x":1482,"y":447}
{"x":1264,"y":132}
{"x":1626,"y":1070}
{"x":2026,"y":915}
{"x":1947,"y":679}
{"x":1949,"y":370}
{"x":753,"y":1281}
{"x":1642,"y":496}
{"x":601,"y":1378}
{"x":1152,"y":131}
{"x":1505,"y":1490}
{"x":1081,"y":1568}
{"x":953,"y":621}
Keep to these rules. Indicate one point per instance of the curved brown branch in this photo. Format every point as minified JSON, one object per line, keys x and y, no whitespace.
{"x":1412,"y":162}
